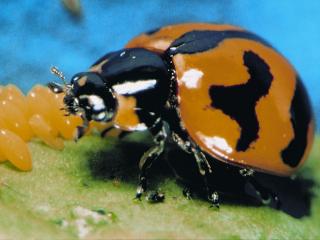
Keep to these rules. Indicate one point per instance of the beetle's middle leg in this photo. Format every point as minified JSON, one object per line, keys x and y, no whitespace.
{"x":203,"y":166}
{"x":205,"y":170}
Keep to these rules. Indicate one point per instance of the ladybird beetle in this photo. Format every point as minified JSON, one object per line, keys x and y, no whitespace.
{"x":215,"y":90}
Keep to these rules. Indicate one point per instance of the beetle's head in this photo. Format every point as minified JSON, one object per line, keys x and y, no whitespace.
{"x":87,"y":95}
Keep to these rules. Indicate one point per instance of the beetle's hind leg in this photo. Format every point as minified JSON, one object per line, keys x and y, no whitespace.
{"x":263,"y":194}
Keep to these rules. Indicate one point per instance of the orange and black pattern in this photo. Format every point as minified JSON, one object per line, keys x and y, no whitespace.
{"x":247,"y":106}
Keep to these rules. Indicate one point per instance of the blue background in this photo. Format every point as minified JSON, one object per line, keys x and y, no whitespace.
{"x":35,"y":34}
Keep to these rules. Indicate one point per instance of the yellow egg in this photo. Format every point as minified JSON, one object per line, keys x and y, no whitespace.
{"x":2,"y":156}
{"x":15,"y":120}
{"x":39,"y":103}
{"x":13,"y":94}
{"x":15,"y":150}
{"x":69,"y":126}
{"x":45,"y":132}
{"x":3,"y":124}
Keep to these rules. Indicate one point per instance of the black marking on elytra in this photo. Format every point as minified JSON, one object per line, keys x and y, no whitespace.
{"x":153,"y":31}
{"x":300,"y":118}
{"x":200,"y":41}
{"x":239,"y":101}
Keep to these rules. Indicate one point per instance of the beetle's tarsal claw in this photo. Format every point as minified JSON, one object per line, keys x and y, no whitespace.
{"x":187,"y":193}
{"x":277,"y":202}
{"x":137,"y":199}
{"x":214,"y":199}
{"x":140,"y":191}
{"x":155,"y":197}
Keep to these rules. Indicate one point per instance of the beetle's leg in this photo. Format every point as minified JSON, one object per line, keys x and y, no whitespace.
{"x":81,"y":130}
{"x":188,"y":147}
{"x":202,"y":161}
{"x":203,"y":165}
{"x":106,"y":131}
{"x":246,"y":172}
{"x":265,"y":195}
{"x":205,"y":169}
{"x":187,"y":192}
{"x":121,"y":135}
{"x":160,"y":135}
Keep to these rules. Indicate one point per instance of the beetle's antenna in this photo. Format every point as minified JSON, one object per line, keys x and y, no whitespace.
{"x":54,"y":70}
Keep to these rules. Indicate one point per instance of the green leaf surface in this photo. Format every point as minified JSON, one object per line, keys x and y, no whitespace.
{"x":78,"y":193}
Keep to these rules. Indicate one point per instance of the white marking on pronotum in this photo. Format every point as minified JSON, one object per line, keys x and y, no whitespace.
{"x":191,"y":78}
{"x":134,"y":87}
{"x":95,"y":101}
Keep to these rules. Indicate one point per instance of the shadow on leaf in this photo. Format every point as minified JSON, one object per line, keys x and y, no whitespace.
{"x":121,"y":162}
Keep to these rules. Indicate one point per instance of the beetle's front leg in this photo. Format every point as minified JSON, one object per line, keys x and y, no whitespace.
{"x":150,"y":155}
{"x":81,"y":130}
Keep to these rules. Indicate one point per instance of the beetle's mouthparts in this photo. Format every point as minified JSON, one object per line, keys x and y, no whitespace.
{"x":71,"y":105}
